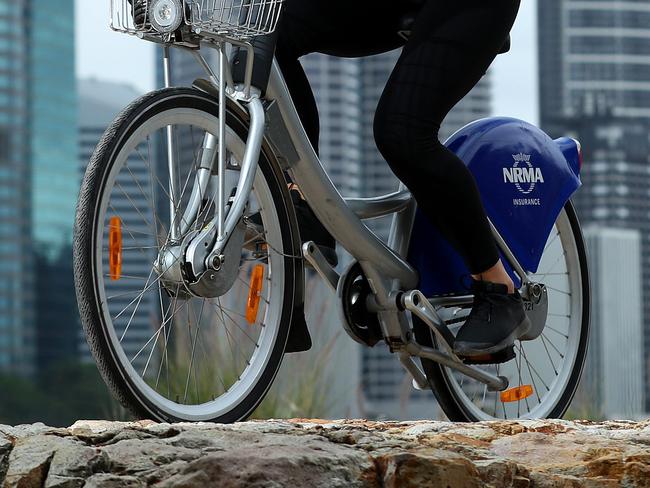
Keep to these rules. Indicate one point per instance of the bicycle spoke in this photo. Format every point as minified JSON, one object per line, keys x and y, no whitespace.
{"x":189,"y":371}
{"x":556,"y":331}
{"x":523,"y":353}
{"x":549,"y":356}
{"x":553,"y":346}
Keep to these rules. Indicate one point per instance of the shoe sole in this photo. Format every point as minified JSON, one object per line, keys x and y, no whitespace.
{"x":468,"y":349}
{"x":502,"y":356}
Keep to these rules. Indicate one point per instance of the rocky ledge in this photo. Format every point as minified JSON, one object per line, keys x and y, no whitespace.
{"x":313,"y":453}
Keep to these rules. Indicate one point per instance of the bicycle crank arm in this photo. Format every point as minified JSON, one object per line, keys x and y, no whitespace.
{"x":416,"y":303}
{"x":419,"y":305}
{"x":315,"y":257}
{"x":493,"y":382}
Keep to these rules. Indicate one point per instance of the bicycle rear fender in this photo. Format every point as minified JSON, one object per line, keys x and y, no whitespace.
{"x":525,"y":179}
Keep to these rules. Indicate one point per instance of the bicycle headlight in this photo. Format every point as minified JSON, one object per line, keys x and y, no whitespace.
{"x":166,"y":15}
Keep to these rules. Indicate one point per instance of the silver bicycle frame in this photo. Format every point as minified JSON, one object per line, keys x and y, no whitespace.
{"x":391,"y":278}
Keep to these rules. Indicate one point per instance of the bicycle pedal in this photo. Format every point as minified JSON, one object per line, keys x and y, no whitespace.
{"x":503,"y":356}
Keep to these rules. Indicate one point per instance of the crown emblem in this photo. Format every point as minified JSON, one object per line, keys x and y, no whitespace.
{"x":521,"y":158}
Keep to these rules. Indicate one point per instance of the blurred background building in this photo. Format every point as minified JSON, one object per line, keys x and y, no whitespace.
{"x":17,"y":328}
{"x":613,"y":377}
{"x":52,"y":102}
{"x":594,"y":61}
{"x":38,"y":138}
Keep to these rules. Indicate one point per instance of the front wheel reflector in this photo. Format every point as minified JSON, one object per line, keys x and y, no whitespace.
{"x":115,"y":248}
{"x":516,"y":394}
{"x":254,"y":293}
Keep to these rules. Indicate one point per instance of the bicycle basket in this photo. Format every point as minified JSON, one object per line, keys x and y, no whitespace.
{"x":234,"y":19}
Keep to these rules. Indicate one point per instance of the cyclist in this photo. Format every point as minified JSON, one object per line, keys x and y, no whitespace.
{"x":450,"y":47}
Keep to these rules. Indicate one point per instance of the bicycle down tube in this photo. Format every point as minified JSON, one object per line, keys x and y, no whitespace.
{"x":328,"y":205}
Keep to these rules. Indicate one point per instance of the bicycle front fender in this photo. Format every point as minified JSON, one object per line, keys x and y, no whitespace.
{"x":524,"y":178}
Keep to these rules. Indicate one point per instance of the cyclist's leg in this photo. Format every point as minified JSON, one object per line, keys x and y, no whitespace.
{"x":336,"y":27}
{"x":452,"y":45}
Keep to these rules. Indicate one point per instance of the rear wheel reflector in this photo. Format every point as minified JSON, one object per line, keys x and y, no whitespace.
{"x":254,"y":293}
{"x":115,"y":248}
{"x":516,"y":394}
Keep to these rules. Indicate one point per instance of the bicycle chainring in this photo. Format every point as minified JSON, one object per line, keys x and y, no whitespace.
{"x":361,"y":324}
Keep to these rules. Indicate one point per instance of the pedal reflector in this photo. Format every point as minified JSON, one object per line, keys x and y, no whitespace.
{"x":115,"y":248}
{"x":516,"y":394}
{"x":254,"y":293}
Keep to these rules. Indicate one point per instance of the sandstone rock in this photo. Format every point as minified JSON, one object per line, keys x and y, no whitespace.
{"x":29,"y":461}
{"x":308,"y":452}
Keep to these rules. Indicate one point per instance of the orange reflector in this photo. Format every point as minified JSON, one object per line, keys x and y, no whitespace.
{"x":115,"y":248}
{"x":516,"y":394}
{"x":254,"y":293}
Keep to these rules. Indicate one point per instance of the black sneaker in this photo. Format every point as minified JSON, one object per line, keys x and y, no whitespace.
{"x":309,"y":226}
{"x":496,"y":321}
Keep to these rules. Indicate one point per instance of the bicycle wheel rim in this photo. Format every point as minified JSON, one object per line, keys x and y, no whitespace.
{"x":553,"y":390}
{"x":271,"y":315}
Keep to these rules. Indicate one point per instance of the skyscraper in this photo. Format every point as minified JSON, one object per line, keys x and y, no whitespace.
{"x":52,"y":115}
{"x":595,"y":85}
{"x":53,"y":123}
{"x":17,"y":335}
{"x":614,"y":368}
{"x":347,"y":92}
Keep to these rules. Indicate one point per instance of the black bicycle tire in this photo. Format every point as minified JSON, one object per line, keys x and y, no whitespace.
{"x":84,"y":245}
{"x":444,"y":393}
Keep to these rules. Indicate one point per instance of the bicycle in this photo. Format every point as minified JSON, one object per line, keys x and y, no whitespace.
{"x":189,"y":267}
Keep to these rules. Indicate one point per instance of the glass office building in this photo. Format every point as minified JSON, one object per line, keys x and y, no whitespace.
{"x":595,"y":84}
{"x":52,"y":113}
{"x":17,"y":341}
{"x":53,"y":122}
{"x":38,"y":177}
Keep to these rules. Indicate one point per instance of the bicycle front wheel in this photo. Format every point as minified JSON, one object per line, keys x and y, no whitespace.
{"x":167,"y":352}
{"x":546,"y":370}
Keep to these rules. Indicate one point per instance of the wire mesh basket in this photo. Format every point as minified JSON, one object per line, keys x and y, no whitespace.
{"x":159,"y":19}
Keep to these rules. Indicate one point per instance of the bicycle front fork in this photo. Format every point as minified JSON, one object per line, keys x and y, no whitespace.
{"x":206,"y":250}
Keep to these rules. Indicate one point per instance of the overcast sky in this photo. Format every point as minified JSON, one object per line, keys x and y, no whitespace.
{"x":110,"y":56}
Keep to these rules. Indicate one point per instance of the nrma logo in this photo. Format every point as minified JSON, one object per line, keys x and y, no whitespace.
{"x":523,"y":174}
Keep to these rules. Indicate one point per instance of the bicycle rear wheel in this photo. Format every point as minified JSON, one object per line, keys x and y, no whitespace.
{"x":166,"y":353}
{"x":550,"y":365}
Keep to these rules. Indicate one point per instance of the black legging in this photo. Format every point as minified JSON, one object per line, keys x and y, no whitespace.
{"x":451,"y":46}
